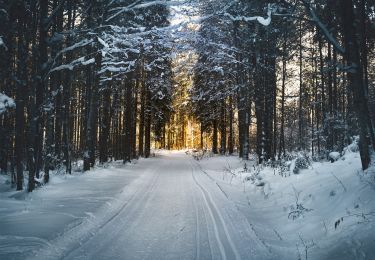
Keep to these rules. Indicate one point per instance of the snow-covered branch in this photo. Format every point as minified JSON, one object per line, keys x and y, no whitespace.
{"x":140,"y":5}
{"x":78,"y":62}
{"x":6,"y":103}
{"x":322,"y":27}
{"x":2,"y":44}
{"x":263,"y":21}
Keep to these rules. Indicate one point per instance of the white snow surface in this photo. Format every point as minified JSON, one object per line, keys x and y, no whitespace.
{"x":174,"y":207}
{"x":335,"y":218}
{"x":334,"y":155}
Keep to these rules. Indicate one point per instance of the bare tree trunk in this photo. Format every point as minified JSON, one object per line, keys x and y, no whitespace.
{"x":355,"y":78}
{"x":214,"y":136}
{"x":33,"y":113}
{"x":201,"y":135}
{"x":282,"y":112}
{"x":223,"y":129}
{"x":230,"y":138}
{"x":322,"y":81}
{"x":21,"y":96}
{"x":301,"y":90}
{"x":134,"y":119}
{"x":141,"y":135}
{"x":147,"y":124}
{"x":128,"y":120}
{"x":105,"y":125}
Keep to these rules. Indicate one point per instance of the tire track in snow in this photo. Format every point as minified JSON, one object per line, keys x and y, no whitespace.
{"x":133,"y":211}
{"x":220,"y":228}
{"x":197,"y":230}
{"x":69,"y":241}
{"x":257,"y":242}
{"x":130,"y":208}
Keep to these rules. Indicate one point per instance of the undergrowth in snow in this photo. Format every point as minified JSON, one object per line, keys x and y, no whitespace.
{"x":326,"y":211}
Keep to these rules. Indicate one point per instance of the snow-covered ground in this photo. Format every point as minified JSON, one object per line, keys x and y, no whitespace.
{"x":175,"y":207}
{"x":32,"y":221}
{"x":324,"y":212}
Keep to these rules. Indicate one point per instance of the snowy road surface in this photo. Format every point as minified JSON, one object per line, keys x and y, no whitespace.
{"x":173,"y":207}
{"x":173,"y":210}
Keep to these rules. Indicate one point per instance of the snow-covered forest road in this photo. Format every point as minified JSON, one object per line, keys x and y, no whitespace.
{"x":166,"y":208}
{"x":175,"y":213}
{"x":173,"y":207}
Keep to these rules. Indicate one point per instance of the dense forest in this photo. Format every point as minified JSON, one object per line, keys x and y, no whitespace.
{"x":101,"y":80}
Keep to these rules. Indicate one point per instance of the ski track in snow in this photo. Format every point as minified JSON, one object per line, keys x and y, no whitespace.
{"x":173,"y":210}
{"x":173,"y":207}
{"x":218,"y":224}
{"x":71,"y":240}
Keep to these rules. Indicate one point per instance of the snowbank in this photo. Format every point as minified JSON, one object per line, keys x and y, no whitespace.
{"x":334,"y":156}
{"x":324,"y":212}
{"x":30,"y":221}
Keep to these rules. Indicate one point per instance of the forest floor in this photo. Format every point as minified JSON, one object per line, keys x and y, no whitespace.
{"x":174,"y":207}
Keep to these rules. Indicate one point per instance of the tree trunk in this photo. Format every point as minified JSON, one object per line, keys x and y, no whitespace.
{"x":21,"y":96}
{"x":147,"y":124}
{"x":134,"y":119}
{"x":223,"y":129}
{"x":301,"y":91}
{"x":282,"y":111}
{"x":214,"y":137}
{"x":105,"y":125}
{"x":66,"y":117}
{"x":355,"y":80}
{"x":128,"y":120}
{"x":230,"y":137}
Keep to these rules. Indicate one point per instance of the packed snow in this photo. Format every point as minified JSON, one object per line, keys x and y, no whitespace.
{"x":334,"y":156}
{"x":178,"y":206}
